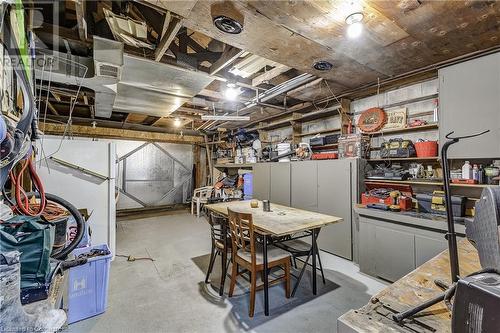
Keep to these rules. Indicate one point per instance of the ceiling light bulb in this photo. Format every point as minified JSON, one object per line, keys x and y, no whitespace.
{"x":231,"y":93}
{"x":354,"y":30}
{"x":177,"y":122}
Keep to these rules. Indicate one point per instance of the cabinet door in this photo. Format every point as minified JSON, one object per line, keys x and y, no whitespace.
{"x":280,"y":183}
{"x":427,"y":248}
{"x":305,"y":185}
{"x":394,"y":253}
{"x":367,"y":246}
{"x":469,"y":102}
{"x":334,"y":198}
{"x":261,"y":181}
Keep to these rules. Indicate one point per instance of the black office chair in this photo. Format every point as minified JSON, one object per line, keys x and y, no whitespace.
{"x":221,"y":245}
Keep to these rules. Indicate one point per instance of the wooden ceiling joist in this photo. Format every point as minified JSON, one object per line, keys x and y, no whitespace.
{"x":228,"y":57}
{"x":117,"y":133}
{"x":173,"y":27}
{"x":270,"y":74}
{"x":80,"y":17}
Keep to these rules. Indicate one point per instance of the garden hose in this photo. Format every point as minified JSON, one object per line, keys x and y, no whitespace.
{"x":80,"y":223}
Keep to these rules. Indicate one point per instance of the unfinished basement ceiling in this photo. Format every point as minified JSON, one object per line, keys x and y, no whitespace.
{"x":400,"y":35}
{"x":184,"y":75}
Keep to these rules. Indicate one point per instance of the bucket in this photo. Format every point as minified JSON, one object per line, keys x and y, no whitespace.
{"x":283,"y":148}
{"x":426,"y":148}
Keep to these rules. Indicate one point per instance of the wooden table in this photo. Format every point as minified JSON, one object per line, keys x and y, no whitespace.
{"x":409,"y":291}
{"x":280,"y":221}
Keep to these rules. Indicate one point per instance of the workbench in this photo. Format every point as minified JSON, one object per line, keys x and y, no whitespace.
{"x":412,"y":289}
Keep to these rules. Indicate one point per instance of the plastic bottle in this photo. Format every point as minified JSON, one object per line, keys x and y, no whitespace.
{"x":466,"y":170}
{"x":475,"y":172}
{"x":480,"y":174}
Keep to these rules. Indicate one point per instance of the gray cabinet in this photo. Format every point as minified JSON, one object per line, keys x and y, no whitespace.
{"x":394,"y":256}
{"x":261,"y":181}
{"x":334,"y":197}
{"x":305,"y":185}
{"x":427,"y":248}
{"x":280,"y":183}
{"x":393,"y":245}
{"x":469,"y":102}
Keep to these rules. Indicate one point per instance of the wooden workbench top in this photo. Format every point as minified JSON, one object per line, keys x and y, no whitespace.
{"x":412,"y":289}
{"x":281,"y":220}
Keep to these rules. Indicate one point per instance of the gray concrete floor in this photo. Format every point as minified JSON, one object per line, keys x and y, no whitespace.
{"x":169,"y":295}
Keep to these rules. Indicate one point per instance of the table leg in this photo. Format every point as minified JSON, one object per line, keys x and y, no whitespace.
{"x":266,"y":277}
{"x":314,"y":254}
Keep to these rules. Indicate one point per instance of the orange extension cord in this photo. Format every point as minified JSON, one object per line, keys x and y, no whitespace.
{"x":23,"y":205}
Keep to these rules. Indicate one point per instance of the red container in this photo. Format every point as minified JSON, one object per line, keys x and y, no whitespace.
{"x":426,"y":149}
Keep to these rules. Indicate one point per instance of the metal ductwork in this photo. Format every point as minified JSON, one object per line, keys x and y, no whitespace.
{"x":122,"y":82}
{"x":279,"y":89}
{"x":100,"y":74}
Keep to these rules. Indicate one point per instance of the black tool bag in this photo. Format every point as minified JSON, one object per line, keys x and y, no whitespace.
{"x":34,"y":238}
{"x":397,"y":148}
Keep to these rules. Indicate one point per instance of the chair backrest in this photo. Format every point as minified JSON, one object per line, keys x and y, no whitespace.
{"x":242,"y":233}
{"x":203,"y":192}
{"x":218,"y":227}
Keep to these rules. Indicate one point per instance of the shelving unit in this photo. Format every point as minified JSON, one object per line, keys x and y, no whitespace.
{"x":429,"y":183}
{"x":234,"y":165}
{"x":435,"y":158}
{"x":319,"y":132}
{"x":406,"y":129}
{"x":326,"y":147}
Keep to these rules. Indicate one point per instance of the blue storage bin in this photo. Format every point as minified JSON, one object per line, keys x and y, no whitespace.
{"x":247,"y":186}
{"x":88,"y":285}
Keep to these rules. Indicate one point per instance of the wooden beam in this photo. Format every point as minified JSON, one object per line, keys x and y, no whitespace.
{"x":270,"y":74}
{"x":51,"y":107}
{"x":167,"y":38}
{"x":80,"y":17}
{"x":117,"y":133}
{"x":228,"y":57}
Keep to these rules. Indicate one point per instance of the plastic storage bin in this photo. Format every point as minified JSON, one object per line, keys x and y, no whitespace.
{"x":248,"y":186}
{"x":88,"y":285}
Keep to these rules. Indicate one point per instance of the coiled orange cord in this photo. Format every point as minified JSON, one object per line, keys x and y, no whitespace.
{"x":23,"y":205}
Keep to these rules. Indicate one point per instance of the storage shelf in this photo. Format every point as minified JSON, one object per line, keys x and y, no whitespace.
{"x":430,"y":183}
{"x":435,"y":158}
{"x":234,"y":165}
{"x":325,"y":147}
{"x":412,"y":182}
{"x":319,"y":132}
{"x":406,"y":129}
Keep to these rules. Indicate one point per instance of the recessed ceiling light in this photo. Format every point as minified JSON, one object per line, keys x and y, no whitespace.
{"x":228,"y":25}
{"x":322,"y":65}
{"x":355,"y":27}
{"x":354,"y":30}
{"x":354,"y":18}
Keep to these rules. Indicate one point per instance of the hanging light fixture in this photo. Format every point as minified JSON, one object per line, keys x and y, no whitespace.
{"x":355,"y":27}
{"x":232,"y":91}
{"x":177,"y":122}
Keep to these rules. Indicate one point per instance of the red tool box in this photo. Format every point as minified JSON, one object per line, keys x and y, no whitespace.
{"x":379,"y":193}
{"x":325,"y":156}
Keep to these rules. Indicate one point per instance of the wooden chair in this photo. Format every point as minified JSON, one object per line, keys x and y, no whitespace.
{"x":221,"y":245}
{"x":248,"y":254}
{"x":200,"y":196}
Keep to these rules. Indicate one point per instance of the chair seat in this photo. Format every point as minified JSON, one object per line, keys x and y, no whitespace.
{"x":295,"y":246}
{"x":273,"y":254}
